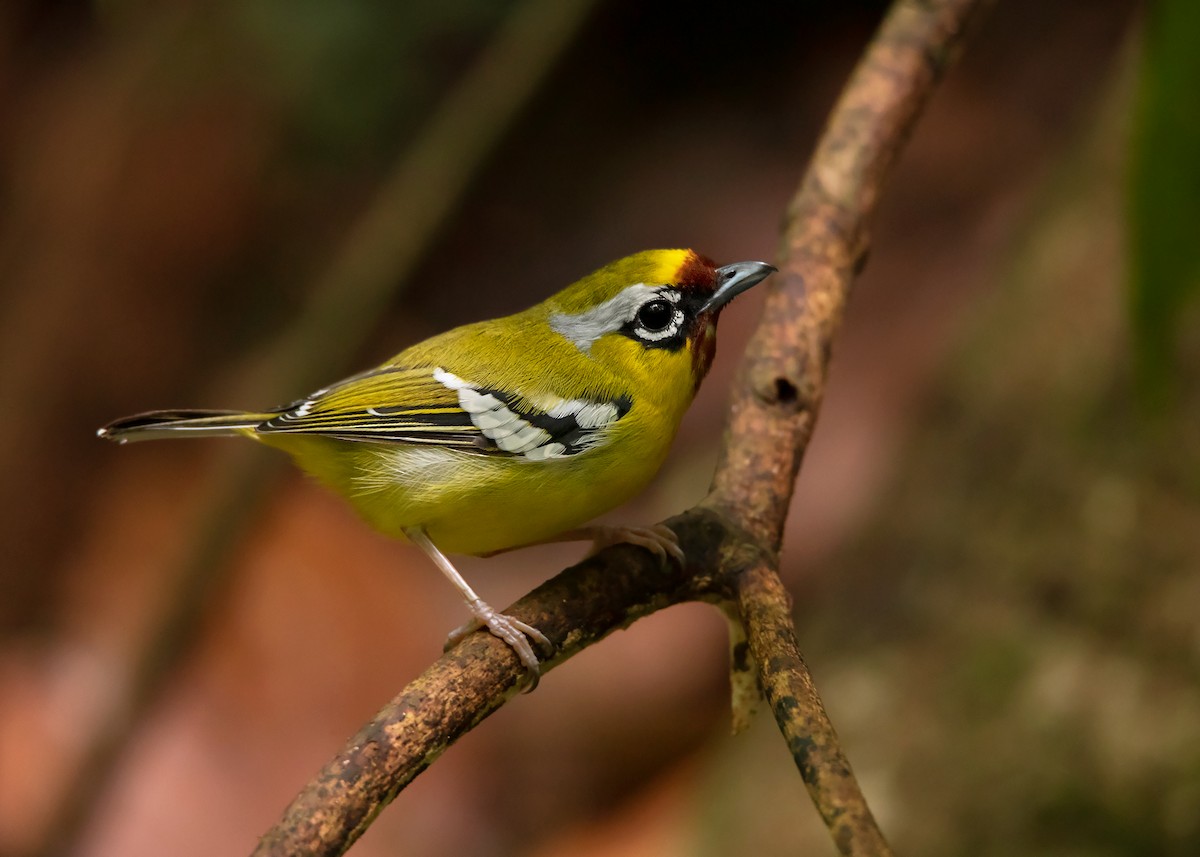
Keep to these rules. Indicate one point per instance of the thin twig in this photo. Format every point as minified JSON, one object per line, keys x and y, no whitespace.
{"x":732,"y":539}
{"x":766,"y":613}
{"x":379,"y":253}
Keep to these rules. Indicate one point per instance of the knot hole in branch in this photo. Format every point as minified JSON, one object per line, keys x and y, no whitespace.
{"x":781,"y":391}
{"x":785,"y":391}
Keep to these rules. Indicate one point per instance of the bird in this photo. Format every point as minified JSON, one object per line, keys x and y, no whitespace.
{"x":509,"y":432}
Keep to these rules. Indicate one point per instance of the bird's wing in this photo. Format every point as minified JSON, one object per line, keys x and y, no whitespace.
{"x":429,"y":405}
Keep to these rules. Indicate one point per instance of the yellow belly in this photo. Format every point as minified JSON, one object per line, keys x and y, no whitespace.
{"x":474,"y":504}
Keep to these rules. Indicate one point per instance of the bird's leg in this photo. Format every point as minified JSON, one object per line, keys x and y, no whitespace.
{"x":659,"y":539}
{"x":512,"y":631}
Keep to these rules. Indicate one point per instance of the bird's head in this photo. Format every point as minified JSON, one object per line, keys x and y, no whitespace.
{"x":653,"y":315}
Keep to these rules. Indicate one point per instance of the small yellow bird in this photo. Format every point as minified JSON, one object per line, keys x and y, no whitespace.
{"x":509,"y":432}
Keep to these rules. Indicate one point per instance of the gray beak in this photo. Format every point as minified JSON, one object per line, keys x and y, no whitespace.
{"x":734,"y":279}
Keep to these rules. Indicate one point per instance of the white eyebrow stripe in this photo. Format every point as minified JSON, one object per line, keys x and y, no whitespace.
{"x":582,"y":329}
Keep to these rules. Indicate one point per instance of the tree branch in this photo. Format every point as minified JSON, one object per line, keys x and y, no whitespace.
{"x":782,"y":379}
{"x":766,"y":613}
{"x":732,"y":538}
{"x":575,"y":609}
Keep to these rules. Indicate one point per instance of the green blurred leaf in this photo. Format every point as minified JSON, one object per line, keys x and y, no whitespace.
{"x":1165,"y":193}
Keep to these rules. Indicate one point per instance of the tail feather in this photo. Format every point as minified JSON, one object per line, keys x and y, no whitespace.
{"x":153,"y":425}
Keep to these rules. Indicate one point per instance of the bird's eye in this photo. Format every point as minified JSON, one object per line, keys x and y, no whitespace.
{"x":656,"y":315}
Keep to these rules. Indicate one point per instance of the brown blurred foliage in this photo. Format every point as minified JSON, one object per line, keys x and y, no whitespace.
{"x":994,"y":559}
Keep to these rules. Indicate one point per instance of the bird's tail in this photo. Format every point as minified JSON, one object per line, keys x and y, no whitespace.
{"x":157,"y":424}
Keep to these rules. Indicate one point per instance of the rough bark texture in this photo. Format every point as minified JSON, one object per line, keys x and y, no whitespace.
{"x":732,"y":538}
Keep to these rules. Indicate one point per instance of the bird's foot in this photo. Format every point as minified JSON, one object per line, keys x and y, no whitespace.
{"x":513,"y":631}
{"x":659,"y":539}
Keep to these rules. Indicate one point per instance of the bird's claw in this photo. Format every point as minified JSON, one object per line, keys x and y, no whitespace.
{"x":517,"y":634}
{"x":659,"y":539}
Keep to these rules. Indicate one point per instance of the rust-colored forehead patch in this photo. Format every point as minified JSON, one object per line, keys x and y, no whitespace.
{"x":697,"y":273}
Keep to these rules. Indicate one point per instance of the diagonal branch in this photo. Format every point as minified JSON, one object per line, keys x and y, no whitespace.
{"x":792,"y":694}
{"x":825,"y":241}
{"x":575,"y":609}
{"x":732,"y":538}
{"x":782,"y":380}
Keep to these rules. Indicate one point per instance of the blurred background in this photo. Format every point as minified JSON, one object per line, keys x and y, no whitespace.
{"x":995,"y":545}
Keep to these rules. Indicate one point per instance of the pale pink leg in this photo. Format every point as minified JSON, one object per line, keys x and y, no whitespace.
{"x":512,"y":631}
